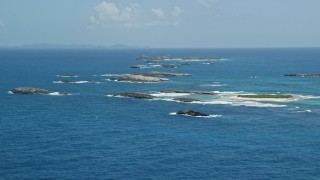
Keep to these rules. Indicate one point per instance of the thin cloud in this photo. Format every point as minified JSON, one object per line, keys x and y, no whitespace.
{"x":158,"y":12}
{"x":1,"y":24}
{"x":108,"y":14}
{"x":208,"y":3}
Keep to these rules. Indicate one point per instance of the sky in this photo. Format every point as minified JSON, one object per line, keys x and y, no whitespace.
{"x":162,"y":23}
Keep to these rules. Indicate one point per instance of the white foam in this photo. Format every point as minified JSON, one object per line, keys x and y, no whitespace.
{"x":256,"y":104}
{"x":56,"y":94}
{"x":214,"y":84}
{"x":222,"y":101}
{"x":157,"y":65}
{"x":10,"y":92}
{"x":227,"y":92}
{"x":217,"y":85}
{"x":303,"y":97}
{"x":76,"y":82}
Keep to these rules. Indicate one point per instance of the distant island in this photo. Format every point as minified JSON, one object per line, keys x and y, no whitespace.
{"x":69,"y":46}
{"x":171,"y":58}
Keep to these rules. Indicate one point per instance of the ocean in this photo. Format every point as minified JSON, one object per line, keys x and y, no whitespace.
{"x":91,"y":134}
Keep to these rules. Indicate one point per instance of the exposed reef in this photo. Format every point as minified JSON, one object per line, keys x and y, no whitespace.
{"x":67,"y":75}
{"x":169,"y":66}
{"x":191,"y":113}
{"x":185,"y":99}
{"x":266,"y":96}
{"x":160,"y":73}
{"x":136,"y":95}
{"x":138,"y":78}
{"x":303,"y":75}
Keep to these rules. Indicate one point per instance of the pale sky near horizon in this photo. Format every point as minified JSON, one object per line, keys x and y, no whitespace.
{"x":165,"y":23}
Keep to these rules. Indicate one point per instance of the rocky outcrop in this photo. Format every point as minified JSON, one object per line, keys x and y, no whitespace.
{"x":185,"y":99}
{"x":137,"y":66}
{"x":190,"y":91}
{"x":169,"y":66}
{"x":160,"y":73}
{"x":138,"y":78}
{"x":31,"y":90}
{"x":303,"y":75}
{"x":191,"y":113}
{"x":136,"y":95}
{"x":67,"y":75}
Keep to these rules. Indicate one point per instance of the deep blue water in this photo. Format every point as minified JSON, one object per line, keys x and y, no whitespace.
{"x":88,"y":135}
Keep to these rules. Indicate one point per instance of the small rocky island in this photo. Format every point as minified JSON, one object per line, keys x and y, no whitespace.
{"x":187,"y":100}
{"x":138,"y":78}
{"x":303,"y":75}
{"x":192,"y":113}
{"x":160,"y":73}
{"x":67,"y":75}
{"x":137,"y":95}
{"x":31,"y":90}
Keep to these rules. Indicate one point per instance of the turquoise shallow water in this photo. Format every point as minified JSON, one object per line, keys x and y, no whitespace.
{"x":90,"y":135}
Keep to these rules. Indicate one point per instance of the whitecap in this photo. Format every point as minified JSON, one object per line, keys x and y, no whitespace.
{"x":157,"y":65}
{"x":57,"y":82}
{"x":10,"y":92}
{"x":217,"y":85}
{"x":307,"y":111}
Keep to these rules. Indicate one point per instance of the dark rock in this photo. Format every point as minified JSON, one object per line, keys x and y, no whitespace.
{"x":137,"y":66}
{"x":136,"y":95}
{"x":152,"y":61}
{"x":185,"y":99}
{"x":190,"y":91}
{"x":68,"y":81}
{"x":191,"y":113}
{"x":29,"y":90}
{"x":169,"y":66}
